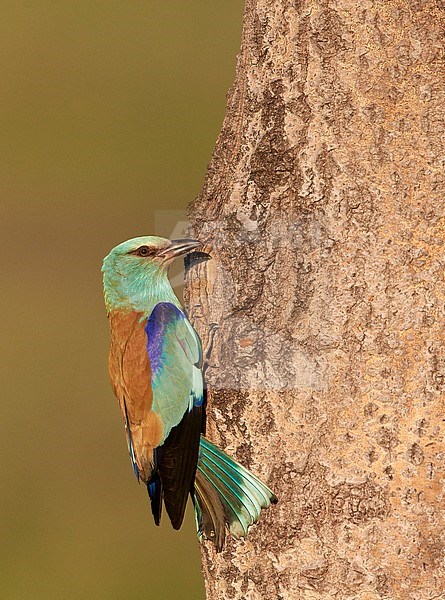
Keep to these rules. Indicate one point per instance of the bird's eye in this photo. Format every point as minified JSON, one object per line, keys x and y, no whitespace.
{"x":143,"y":251}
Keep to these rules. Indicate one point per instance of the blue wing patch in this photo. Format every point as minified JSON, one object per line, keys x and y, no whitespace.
{"x":163,"y":315}
{"x":174,"y":350}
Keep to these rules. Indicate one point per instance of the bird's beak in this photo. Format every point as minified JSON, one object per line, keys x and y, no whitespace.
{"x":178,"y":248}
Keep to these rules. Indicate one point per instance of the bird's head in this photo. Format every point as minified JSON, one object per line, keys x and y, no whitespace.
{"x":135,"y":272}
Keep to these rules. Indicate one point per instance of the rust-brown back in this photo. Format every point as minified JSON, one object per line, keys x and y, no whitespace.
{"x":130,"y":375}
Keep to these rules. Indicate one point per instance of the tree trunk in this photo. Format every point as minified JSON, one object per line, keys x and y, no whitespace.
{"x":322,"y":308}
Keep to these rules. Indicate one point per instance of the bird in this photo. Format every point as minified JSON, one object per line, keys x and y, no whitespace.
{"x":155,"y":367}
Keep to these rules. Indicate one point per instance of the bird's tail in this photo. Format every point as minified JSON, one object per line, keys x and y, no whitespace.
{"x":226,"y":493}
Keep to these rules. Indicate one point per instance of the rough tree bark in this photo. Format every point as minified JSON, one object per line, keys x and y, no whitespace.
{"x":323,"y":306}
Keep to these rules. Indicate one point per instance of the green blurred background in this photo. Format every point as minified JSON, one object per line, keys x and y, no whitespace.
{"x":109,"y":112}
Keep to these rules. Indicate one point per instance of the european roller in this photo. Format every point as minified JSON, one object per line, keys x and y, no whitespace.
{"x":155,"y":369}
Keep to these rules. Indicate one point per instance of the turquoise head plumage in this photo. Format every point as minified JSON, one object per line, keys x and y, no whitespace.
{"x":135,"y":273}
